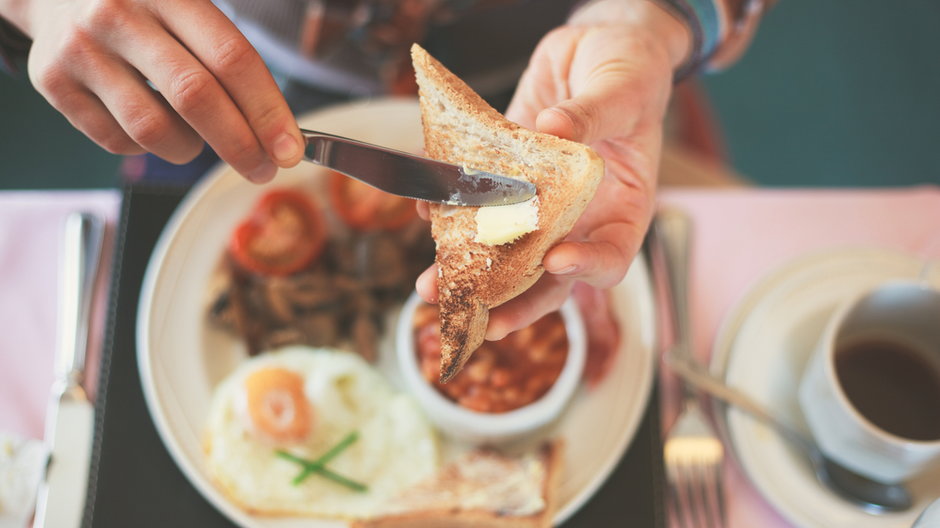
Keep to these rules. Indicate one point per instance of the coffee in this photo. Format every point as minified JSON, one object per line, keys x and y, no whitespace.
{"x":892,"y":385}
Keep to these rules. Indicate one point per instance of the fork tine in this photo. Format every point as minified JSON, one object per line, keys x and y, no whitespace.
{"x":681,"y":499}
{"x":720,"y":494}
{"x":711,"y":493}
{"x":700,"y":467}
{"x":693,"y":510}
{"x":697,"y":491}
{"x":673,"y":499}
{"x":714,"y":477}
{"x":688,"y":494}
{"x":693,"y":456}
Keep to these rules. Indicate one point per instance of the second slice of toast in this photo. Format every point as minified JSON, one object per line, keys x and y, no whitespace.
{"x":481,"y":489}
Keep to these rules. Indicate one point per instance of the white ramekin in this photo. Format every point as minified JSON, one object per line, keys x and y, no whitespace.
{"x":476,"y":427}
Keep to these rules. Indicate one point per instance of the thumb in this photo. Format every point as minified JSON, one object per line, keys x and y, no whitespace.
{"x":603,"y":109}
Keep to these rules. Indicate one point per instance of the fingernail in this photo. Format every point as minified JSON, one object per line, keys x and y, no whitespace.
{"x":262,"y":173}
{"x":494,"y":335}
{"x":565,"y":271}
{"x":285,"y":147}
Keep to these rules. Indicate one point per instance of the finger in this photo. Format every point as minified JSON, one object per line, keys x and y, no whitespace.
{"x":228,"y":55}
{"x":544,"y":81}
{"x":53,"y":79}
{"x":546,"y":296}
{"x":424,"y":209}
{"x":524,"y":106}
{"x":585,"y":118}
{"x":90,"y":116}
{"x":141,"y":113}
{"x":601,"y":262}
{"x":426,"y":285}
{"x":610,"y":75}
{"x":201,"y":101}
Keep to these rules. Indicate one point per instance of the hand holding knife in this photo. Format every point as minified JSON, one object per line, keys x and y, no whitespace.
{"x":70,"y":416}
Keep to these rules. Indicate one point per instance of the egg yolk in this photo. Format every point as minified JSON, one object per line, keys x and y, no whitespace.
{"x":276,"y":405}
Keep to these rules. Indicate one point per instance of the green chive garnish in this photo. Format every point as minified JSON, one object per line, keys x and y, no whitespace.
{"x":318,"y":466}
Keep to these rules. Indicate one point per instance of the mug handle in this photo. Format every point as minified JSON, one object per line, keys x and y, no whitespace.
{"x":929,"y":518}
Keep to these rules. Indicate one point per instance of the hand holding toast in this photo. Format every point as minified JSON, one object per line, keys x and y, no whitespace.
{"x":603,"y":80}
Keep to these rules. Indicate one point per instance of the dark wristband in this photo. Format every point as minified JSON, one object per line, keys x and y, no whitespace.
{"x":704,"y":22}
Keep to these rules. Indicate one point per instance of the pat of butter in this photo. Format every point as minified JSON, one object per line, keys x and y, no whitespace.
{"x":504,"y":223}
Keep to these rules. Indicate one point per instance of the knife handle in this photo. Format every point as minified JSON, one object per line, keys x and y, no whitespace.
{"x":82,"y":241}
{"x":673,"y":234}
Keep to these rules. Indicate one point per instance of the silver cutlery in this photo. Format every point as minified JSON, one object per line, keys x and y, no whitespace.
{"x":873,"y":496}
{"x":672,"y":235}
{"x":70,"y":416}
{"x":692,"y":451}
{"x":412,"y":176}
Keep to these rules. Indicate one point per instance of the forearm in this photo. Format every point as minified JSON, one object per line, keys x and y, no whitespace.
{"x":717,"y":32}
{"x":671,"y":33}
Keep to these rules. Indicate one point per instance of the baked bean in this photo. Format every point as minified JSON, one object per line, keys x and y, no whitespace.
{"x":501,"y":378}
{"x":502,"y":375}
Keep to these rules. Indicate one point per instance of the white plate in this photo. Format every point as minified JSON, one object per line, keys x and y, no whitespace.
{"x":182,"y":358}
{"x":762,"y":349}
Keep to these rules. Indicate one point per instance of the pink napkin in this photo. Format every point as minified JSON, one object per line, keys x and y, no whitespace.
{"x":31,"y":226}
{"x":742,"y":235}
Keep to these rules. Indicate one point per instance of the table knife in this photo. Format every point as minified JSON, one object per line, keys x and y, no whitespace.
{"x":412,"y":176}
{"x":70,"y":415}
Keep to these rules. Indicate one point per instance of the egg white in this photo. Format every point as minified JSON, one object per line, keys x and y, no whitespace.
{"x":396,"y":447}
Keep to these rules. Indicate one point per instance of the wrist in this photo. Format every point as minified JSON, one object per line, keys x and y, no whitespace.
{"x":669,"y":31}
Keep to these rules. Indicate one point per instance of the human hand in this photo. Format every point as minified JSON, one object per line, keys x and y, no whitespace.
{"x":603,"y":80}
{"x":92,"y":61}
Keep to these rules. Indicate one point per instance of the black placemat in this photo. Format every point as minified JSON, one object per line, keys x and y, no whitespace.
{"x":135,"y":483}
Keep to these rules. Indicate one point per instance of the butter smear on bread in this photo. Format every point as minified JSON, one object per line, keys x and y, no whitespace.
{"x":505,"y":223}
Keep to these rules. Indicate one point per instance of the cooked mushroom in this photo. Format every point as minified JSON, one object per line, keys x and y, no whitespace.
{"x":338,"y":300}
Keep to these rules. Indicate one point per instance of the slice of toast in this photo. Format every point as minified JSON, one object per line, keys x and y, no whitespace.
{"x":481,"y":489}
{"x":461,"y":128}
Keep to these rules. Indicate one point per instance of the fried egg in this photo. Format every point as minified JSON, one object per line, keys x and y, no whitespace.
{"x":304,"y":402}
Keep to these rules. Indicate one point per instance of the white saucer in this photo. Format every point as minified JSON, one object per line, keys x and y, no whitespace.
{"x":762,"y":349}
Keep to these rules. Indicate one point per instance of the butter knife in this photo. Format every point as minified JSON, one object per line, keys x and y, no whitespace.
{"x":412,"y":176}
{"x":70,"y":416}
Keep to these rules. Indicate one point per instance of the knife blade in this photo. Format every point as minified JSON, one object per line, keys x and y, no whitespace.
{"x":70,"y":416}
{"x":412,"y":176}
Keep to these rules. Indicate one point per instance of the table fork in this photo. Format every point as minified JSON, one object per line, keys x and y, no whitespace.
{"x":694,"y":457}
{"x":692,"y":451}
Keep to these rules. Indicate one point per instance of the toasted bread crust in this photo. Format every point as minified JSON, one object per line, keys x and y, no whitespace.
{"x":460,"y":127}
{"x":447,"y":516}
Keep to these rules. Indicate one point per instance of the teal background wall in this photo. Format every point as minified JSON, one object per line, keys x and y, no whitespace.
{"x":831,"y":93}
{"x":837,"y":92}
{"x":39,"y":149}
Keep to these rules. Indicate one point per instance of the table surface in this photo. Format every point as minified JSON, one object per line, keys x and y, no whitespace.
{"x":740,"y":236}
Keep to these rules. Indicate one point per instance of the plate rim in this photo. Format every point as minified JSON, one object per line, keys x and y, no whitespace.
{"x":155,"y":407}
{"x":646,"y":381}
{"x":638,"y":276}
